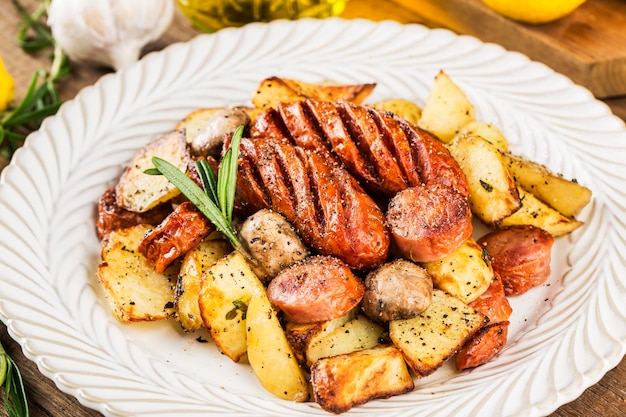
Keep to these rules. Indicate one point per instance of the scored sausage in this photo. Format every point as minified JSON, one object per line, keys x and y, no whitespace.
{"x":383,"y":152}
{"x":520,"y":255}
{"x":317,"y":289}
{"x":429,"y":222}
{"x":328,"y":208}
{"x":483,"y":346}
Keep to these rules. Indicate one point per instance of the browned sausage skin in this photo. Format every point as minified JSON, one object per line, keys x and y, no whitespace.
{"x":429,"y":222}
{"x":319,"y":288}
{"x":520,"y":255}
{"x":328,"y":208}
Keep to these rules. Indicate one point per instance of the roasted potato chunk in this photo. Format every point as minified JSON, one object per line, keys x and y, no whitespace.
{"x":344,"y":381}
{"x":447,"y":109}
{"x":195,"y":262}
{"x":493,"y":192}
{"x":274,"y":90}
{"x":430,"y":339}
{"x":466,"y":273}
{"x":270,"y":355}
{"x":487,"y":131}
{"x":535,"y":212}
{"x":408,"y":110}
{"x":567,"y":197}
{"x":225,"y":292}
{"x":139,"y":192}
{"x":357,"y":334}
{"x":135,"y":291}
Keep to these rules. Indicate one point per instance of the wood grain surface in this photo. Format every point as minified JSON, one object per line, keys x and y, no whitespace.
{"x":606,"y":398}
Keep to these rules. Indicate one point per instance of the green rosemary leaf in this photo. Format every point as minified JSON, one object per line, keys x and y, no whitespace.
{"x":198,"y":197}
{"x":208,"y":179}
{"x":15,"y":400}
{"x":152,"y":171}
{"x":227,"y":176}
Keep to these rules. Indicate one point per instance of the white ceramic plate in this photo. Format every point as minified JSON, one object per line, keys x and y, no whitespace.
{"x":564,"y":336}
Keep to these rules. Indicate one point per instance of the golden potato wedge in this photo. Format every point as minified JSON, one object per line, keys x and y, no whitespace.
{"x":139,"y":192}
{"x":567,"y":197}
{"x":466,"y":273}
{"x":342,"y":382}
{"x":195,"y":262}
{"x":430,"y":339}
{"x":302,"y":335}
{"x":135,"y":291}
{"x":493,"y":192}
{"x":447,"y":109}
{"x":270,"y":355}
{"x":194,"y":121}
{"x":357,"y":334}
{"x":274,"y":90}
{"x":406,"y":109}
{"x":537,"y":213}
{"x":487,"y":131}
{"x":225,"y":292}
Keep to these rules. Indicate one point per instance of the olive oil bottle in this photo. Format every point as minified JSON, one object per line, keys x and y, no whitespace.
{"x":211,"y":15}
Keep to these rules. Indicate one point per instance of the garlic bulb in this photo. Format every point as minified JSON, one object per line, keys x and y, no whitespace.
{"x":110,"y":33}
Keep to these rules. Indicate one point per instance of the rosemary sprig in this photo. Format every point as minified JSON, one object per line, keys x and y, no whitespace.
{"x":217,"y":199}
{"x":42,"y":98}
{"x":14,"y":393}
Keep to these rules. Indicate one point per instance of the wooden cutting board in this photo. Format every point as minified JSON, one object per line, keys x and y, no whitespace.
{"x":589,"y":45}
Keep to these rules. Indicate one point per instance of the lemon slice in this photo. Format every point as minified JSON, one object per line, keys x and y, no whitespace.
{"x":534,"y":11}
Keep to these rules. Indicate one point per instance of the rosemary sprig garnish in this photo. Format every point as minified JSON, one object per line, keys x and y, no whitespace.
{"x":217,"y":199}
{"x":42,"y":98}
{"x":14,"y":393}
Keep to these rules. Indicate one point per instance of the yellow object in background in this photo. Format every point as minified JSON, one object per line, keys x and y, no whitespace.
{"x":211,"y":15}
{"x":7,"y":87}
{"x":534,"y":11}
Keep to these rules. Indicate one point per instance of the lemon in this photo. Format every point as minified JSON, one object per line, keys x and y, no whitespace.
{"x":7,"y":87}
{"x":534,"y":11}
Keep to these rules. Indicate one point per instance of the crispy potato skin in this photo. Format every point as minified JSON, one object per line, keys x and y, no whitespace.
{"x":113,"y":217}
{"x":520,"y":255}
{"x":317,"y":289}
{"x":183,"y":229}
{"x":344,"y":381}
{"x":429,"y":222}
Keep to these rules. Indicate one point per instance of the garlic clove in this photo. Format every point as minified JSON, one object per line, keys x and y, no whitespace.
{"x":108,"y":33}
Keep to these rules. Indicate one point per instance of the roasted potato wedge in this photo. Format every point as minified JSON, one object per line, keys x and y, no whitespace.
{"x":194,"y":121}
{"x":537,"y":213}
{"x":447,"y":109}
{"x":430,"y":339}
{"x":274,"y":90}
{"x":357,"y":334}
{"x":225,"y":292}
{"x":139,"y":192}
{"x":406,"y":109}
{"x":567,"y":197}
{"x":303,"y":335}
{"x":342,"y":382}
{"x":493,"y":192}
{"x":465,"y":273}
{"x":487,"y":131}
{"x":195,"y":262}
{"x":270,"y":355}
{"x":135,"y":291}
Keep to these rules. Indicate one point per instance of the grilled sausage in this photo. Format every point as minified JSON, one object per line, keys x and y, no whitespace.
{"x":183,"y":229}
{"x":383,"y":152}
{"x":317,"y":289}
{"x":483,"y":346}
{"x":272,"y":242}
{"x":429,"y":222}
{"x":520,"y":255}
{"x":328,"y":208}
{"x":493,"y":302}
{"x":111,"y":216}
{"x":397,"y":290}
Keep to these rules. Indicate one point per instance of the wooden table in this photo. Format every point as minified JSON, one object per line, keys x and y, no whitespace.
{"x":607,"y":398}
